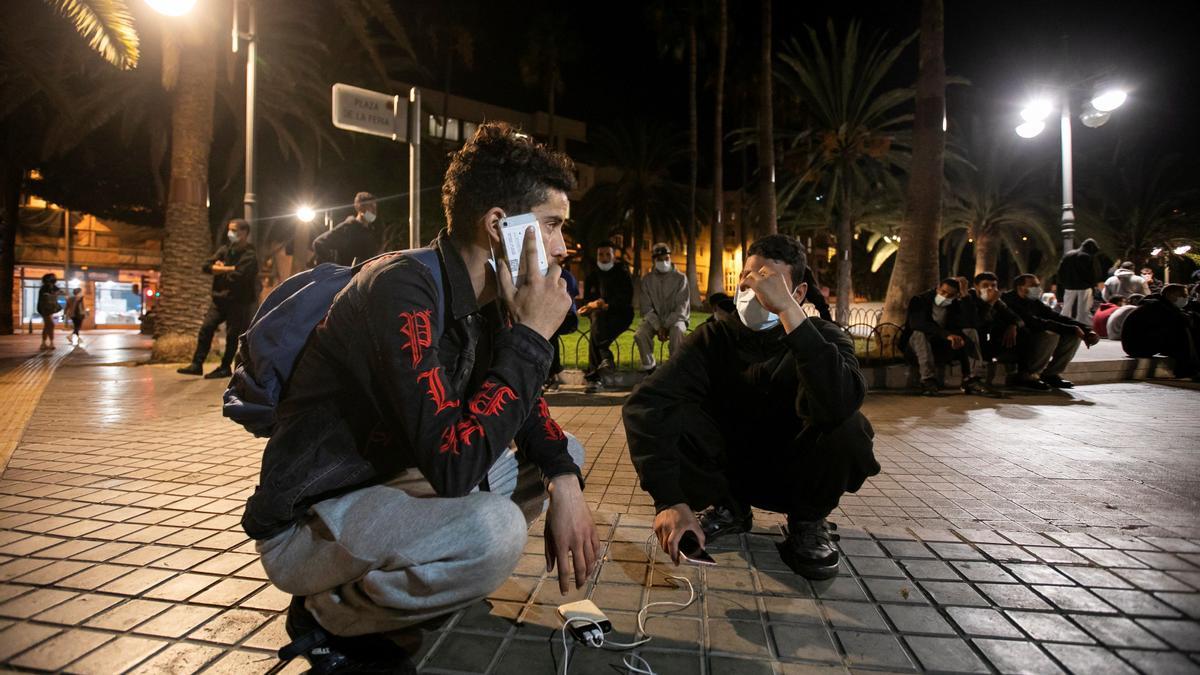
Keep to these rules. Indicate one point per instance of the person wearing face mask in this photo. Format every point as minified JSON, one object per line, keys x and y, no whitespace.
{"x":354,"y":240}
{"x":608,"y":303}
{"x":934,"y":328}
{"x":234,"y":268}
{"x":759,"y":409}
{"x":665,"y":305}
{"x":1162,"y":324}
{"x":983,"y":310}
{"x":1046,"y":340}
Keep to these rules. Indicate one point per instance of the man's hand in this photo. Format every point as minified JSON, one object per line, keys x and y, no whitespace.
{"x":671,"y":523}
{"x":570,"y":533}
{"x":1090,"y":338}
{"x":771,"y":289}
{"x":542,"y":301}
{"x":663,"y":335}
{"x":956,"y":341}
{"x":1010,"y":337}
{"x":222,"y":268}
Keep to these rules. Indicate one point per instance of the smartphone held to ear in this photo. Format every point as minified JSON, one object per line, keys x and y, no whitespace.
{"x":512,"y":237}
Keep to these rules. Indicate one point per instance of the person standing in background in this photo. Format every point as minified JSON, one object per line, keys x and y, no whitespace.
{"x":665,"y":305}
{"x":47,"y":307}
{"x":76,"y":312}
{"x":1078,"y":272}
{"x":608,"y":296}
{"x":354,"y":240}
{"x":234,"y":268}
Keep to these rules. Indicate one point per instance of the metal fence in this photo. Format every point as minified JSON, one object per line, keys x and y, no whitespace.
{"x":874,"y":341}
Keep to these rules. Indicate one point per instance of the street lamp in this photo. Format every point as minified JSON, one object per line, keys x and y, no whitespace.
{"x":171,"y":7}
{"x":306,"y":214}
{"x":1095,"y":113}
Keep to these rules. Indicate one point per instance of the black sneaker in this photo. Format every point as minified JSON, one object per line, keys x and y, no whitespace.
{"x":930,"y":388}
{"x":1028,"y":382}
{"x":718,"y":521}
{"x":219,"y":373}
{"x":551,"y":384}
{"x":329,"y":654}
{"x":190,"y":369}
{"x":1057,"y":382}
{"x":978,"y":387}
{"x":606,"y":366}
{"x":593,"y":387}
{"x":808,"y":548}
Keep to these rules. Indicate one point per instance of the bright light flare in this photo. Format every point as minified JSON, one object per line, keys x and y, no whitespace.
{"x":306,"y":214}
{"x":1156,"y":251}
{"x":1180,"y":250}
{"x":1109,"y":100}
{"x":1036,"y":111}
{"x":1031,"y":129}
{"x":172,"y":7}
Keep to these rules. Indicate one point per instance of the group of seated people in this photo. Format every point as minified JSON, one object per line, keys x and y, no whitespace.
{"x":972,"y":326}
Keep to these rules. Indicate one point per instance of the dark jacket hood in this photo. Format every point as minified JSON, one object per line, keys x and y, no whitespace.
{"x":1089,"y":245}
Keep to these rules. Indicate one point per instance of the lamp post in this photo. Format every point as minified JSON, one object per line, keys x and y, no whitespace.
{"x":1096,"y":112}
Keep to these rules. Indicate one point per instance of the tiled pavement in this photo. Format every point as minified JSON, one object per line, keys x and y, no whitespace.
{"x":1038,"y":534}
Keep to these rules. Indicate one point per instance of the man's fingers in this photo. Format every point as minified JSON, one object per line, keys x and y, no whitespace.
{"x":564,"y":578}
{"x":529,"y":257}
{"x":547,"y":542}
{"x":579,"y":563}
{"x":673,"y":546}
{"x":554,"y":272}
{"x":507,"y":290}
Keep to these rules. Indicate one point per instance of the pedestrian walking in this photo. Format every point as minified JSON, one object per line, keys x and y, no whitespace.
{"x":1078,"y":273}
{"x":234,"y":268}
{"x":47,"y":307}
{"x":76,"y":312}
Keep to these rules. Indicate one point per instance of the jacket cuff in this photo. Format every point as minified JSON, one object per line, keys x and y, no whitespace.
{"x":530,"y":345}
{"x":804,"y":340}
{"x":561,"y":466}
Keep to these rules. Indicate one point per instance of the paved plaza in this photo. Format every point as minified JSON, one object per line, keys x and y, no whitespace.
{"x":1042,"y":533}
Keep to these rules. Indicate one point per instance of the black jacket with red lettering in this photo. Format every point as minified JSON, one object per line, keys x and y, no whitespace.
{"x":373,"y":394}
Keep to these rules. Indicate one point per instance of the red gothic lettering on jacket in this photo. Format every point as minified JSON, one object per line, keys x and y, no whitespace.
{"x":553,"y":431}
{"x":437,"y":391}
{"x":415,"y":326}
{"x":459,"y":434}
{"x":491,"y":399}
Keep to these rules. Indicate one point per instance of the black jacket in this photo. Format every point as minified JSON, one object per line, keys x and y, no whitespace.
{"x":352,"y":241}
{"x":919,"y":317}
{"x":374,"y":394}
{"x":1036,"y":316}
{"x":1155,"y":324}
{"x":973,"y":312}
{"x":239,"y":286}
{"x":768,"y":384}
{"x":614,"y":286}
{"x":1081,"y":268}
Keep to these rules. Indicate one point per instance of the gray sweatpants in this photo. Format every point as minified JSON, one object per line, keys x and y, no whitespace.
{"x":390,"y":556}
{"x":927,"y":364}
{"x":1051,"y":353}
{"x":1077,"y":304}
{"x":644,"y":339}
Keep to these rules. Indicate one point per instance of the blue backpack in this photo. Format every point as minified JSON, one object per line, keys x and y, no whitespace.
{"x":271,"y":347}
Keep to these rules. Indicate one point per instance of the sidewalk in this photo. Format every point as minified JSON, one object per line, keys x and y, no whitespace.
{"x":1044,"y":533}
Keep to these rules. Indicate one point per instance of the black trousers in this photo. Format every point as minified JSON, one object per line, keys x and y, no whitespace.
{"x":606,"y":327}
{"x":804,"y":477}
{"x":236,"y":317}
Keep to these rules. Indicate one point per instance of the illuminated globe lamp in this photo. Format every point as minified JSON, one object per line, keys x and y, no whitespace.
{"x":306,"y":214}
{"x":172,"y":7}
{"x":1035,"y":115}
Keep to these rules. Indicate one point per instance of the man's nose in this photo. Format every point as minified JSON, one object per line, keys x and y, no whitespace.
{"x":557,"y":246}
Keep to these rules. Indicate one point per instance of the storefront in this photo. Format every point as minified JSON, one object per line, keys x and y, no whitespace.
{"x":114,"y":298}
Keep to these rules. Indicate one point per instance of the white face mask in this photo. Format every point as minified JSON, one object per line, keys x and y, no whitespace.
{"x":604,"y":267}
{"x":1034,"y":292}
{"x":1180,"y":302}
{"x":368,"y":216}
{"x":233,"y":236}
{"x":663,"y":266}
{"x":941,"y":300}
{"x":752,"y":313}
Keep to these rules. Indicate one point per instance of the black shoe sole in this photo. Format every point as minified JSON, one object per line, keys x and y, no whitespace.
{"x":805,"y":569}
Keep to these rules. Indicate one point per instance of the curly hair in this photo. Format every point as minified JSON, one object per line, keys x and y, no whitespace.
{"x":782,"y":248}
{"x":501,"y":167}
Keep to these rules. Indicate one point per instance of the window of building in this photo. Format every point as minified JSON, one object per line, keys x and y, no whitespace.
{"x":117,"y":303}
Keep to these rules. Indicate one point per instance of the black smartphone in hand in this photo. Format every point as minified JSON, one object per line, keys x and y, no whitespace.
{"x":690,"y":550}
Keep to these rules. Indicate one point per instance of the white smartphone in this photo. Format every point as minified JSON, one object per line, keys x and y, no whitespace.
{"x":512,"y":236}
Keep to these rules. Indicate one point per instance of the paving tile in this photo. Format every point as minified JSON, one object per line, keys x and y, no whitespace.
{"x":1113,"y":631}
{"x":895,"y":590}
{"x":1137,"y":603}
{"x":79,"y":609}
{"x":853,"y":615}
{"x":182,"y":587}
{"x":1044,"y":626}
{"x":241,"y":662}
{"x":1074,"y":599}
{"x":736,"y":666}
{"x":35,"y":602}
{"x":117,"y":656}
{"x":1093,"y":577}
{"x":876,"y":567}
{"x":1188,"y":603}
{"x":177,"y":621}
{"x":1011,"y":596}
{"x":984,"y":571}
{"x":945,"y":654}
{"x":951,"y":551}
{"x":737,"y":637}
{"x":180,"y":658}
{"x":873,"y":649}
{"x":1183,"y":635}
{"x":983,"y":622}
{"x":1010,"y":656}
{"x":125,"y":616}
{"x":841,"y":588}
{"x":231,"y":626}
{"x":1080,"y":659}
{"x":16,"y":639}
{"x":930,"y":569}
{"x":909,"y":619}
{"x":64,"y":648}
{"x":1038,"y":574}
{"x":1152,"y":580}
{"x":1161,"y":663}
{"x":792,"y":610}
{"x":780,"y":582}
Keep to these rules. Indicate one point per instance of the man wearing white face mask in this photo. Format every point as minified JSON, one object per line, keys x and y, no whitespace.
{"x":1161,"y":324}
{"x":665,"y":305}
{"x":608,"y":298}
{"x":1046,"y":340}
{"x":234,"y":268}
{"x":936,"y":326}
{"x":758,"y":409}
{"x":354,"y":240}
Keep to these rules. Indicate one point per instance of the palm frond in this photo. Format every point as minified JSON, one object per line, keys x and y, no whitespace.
{"x":107,"y":26}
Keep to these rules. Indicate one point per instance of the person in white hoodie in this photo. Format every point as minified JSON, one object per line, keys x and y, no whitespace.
{"x":666,"y":306}
{"x":1125,"y":283}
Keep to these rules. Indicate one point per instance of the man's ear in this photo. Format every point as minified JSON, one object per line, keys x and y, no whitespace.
{"x":491,"y":224}
{"x":800,"y":291}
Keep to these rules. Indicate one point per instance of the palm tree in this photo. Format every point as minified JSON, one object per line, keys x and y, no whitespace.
{"x":766,"y":131}
{"x":643,"y":200}
{"x":917,"y":261}
{"x":1135,"y":203}
{"x":853,"y":140}
{"x":547,"y":49}
{"x":716,"y":249}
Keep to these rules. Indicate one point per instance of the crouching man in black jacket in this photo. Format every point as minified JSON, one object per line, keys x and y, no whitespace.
{"x":390,"y":493}
{"x":1046,"y":340}
{"x":759,"y":409}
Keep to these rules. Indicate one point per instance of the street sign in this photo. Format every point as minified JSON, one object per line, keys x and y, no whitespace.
{"x":370,"y":112}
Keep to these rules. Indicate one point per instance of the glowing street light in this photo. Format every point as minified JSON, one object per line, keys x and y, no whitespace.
{"x":1037,"y":111}
{"x":1180,"y":250}
{"x":172,"y":7}
{"x":1109,"y":100}
{"x":306,"y":214}
{"x":1031,"y":128}
{"x":1156,"y":251}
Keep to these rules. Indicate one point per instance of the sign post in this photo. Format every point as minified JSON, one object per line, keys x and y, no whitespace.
{"x":378,"y":114}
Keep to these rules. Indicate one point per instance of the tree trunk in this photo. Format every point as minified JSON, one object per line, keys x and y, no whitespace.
{"x":766,"y":133}
{"x":693,"y":160}
{"x":188,"y":242}
{"x":12,"y":175}
{"x":987,"y":249}
{"x":716,"y":253}
{"x":916,"y":266}
{"x":845,"y":246}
